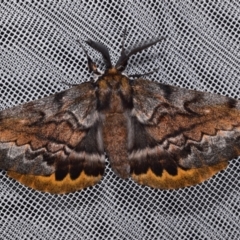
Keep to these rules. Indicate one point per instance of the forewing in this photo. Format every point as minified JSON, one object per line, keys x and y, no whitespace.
{"x":54,"y":144}
{"x":180,"y":137}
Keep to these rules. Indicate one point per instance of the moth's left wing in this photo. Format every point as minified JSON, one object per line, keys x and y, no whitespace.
{"x":54,"y":144}
{"x":180,"y":137}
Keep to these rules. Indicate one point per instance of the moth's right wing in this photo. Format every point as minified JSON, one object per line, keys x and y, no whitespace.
{"x":180,"y":137}
{"x":54,"y":144}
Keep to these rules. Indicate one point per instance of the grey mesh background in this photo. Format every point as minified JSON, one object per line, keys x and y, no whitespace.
{"x":39,"y":51}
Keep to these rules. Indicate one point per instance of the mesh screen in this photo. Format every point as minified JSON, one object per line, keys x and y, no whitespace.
{"x":39,"y":52}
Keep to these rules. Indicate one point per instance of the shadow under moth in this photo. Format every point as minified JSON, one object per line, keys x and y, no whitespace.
{"x":162,"y":136}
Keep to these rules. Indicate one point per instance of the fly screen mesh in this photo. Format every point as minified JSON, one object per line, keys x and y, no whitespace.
{"x":40,"y":54}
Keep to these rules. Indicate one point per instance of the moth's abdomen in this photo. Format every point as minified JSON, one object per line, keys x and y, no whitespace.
{"x":115,"y":143}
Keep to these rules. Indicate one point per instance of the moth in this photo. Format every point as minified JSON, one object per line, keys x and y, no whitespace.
{"x":162,"y":136}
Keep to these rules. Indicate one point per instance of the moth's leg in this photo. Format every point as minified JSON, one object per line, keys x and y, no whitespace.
{"x":123,"y":41}
{"x":143,"y":74}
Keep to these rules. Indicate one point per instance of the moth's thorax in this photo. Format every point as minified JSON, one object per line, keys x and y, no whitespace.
{"x":114,"y":92}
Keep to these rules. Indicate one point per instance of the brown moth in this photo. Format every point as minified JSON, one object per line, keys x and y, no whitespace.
{"x":162,"y":136}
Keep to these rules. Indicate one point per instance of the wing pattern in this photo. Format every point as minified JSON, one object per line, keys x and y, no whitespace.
{"x":180,"y":137}
{"x":54,"y":144}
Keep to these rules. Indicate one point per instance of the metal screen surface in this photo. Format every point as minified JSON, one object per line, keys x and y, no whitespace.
{"x":39,"y":52}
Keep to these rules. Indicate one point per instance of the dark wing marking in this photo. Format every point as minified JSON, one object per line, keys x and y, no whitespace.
{"x":179,"y":137}
{"x":54,"y":144}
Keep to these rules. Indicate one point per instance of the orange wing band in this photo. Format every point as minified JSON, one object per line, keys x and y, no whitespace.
{"x":184,"y":178}
{"x":49,"y":184}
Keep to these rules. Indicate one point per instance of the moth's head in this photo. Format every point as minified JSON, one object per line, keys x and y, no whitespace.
{"x":123,"y":59}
